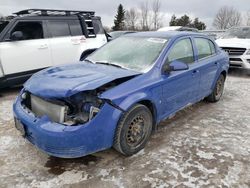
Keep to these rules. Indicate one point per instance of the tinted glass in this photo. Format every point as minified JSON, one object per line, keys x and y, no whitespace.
{"x":3,"y":25}
{"x":59,"y":28}
{"x":212,"y":47}
{"x":30,"y":30}
{"x":75,"y":27}
{"x":204,"y":48}
{"x":97,"y":24}
{"x":182,"y":51}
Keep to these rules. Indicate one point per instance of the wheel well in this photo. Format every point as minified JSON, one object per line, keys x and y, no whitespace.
{"x":152,"y":108}
{"x":224,"y":73}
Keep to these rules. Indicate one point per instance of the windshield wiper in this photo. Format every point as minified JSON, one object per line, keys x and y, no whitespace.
{"x":89,"y":61}
{"x":112,"y":64}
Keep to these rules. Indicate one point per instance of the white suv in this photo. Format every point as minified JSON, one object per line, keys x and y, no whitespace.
{"x":236,"y":41}
{"x":35,"y":39}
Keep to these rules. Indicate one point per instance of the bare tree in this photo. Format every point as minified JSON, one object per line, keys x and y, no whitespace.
{"x":156,"y":14}
{"x":144,"y":16}
{"x":227,"y":17}
{"x":248,"y":18}
{"x":131,"y":18}
{"x":2,"y":18}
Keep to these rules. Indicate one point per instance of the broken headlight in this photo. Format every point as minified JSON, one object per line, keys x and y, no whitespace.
{"x":84,"y":107}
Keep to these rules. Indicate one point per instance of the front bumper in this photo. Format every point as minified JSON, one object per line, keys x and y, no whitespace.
{"x":242,"y":61}
{"x":69,"y":141}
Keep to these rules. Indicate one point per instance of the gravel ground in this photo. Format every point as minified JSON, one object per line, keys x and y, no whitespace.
{"x":205,"y":145}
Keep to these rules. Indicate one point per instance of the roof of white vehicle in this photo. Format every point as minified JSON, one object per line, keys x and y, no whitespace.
{"x":170,"y":28}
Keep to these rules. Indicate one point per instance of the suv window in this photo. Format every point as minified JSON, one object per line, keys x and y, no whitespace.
{"x":59,"y":28}
{"x":3,"y":25}
{"x":75,"y":27}
{"x":182,"y":51}
{"x":30,"y":30}
{"x":205,"y":47}
{"x":97,"y":24}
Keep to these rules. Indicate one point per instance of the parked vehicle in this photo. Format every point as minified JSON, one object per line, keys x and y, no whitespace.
{"x":119,"y":94}
{"x":115,"y":34}
{"x":236,"y":42}
{"x":36,"y":39}
{"x":178,"y":28}
{"x":214,"y":34}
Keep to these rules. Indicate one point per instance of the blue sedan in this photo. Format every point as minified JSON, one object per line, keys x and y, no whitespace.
{"x":120,"y":93}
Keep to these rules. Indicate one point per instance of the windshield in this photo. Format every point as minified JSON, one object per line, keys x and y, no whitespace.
{"x":3,"y":25}
{"x":239,"y":32}
{"x":134,"y":53}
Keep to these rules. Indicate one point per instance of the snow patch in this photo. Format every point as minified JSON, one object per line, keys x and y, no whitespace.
{"x":68,"y":177}
{"x":205,"y":155}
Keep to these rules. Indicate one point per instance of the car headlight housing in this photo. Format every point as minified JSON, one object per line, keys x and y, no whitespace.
{"x":247,"y":52}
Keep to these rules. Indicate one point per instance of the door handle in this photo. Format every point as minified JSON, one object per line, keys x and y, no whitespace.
{"x":195,"y":71}
{"x":43,"y":46}
{"x":76,"y":41}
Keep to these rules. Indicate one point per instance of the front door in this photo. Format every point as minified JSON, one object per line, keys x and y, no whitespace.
{"x":30,"y":53}
{"x":180,"y":88}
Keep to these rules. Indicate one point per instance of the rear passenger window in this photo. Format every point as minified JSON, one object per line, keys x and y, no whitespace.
{"x":59,"y":28}
{"x":75,"y":27}
{"x":212,"y":47}
{"x":205,"y":47}
{"x":182,"y":51}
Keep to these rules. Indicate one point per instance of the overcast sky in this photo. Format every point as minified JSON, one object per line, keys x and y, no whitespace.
{"x":204,"y":9}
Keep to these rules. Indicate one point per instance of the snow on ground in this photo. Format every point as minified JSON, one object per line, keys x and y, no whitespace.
{"x":205,"y":145}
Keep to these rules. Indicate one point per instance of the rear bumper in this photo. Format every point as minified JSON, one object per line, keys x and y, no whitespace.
{"x":69,"y":141}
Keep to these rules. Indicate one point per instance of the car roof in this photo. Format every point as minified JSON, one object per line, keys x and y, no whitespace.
{"x":166,"y":34}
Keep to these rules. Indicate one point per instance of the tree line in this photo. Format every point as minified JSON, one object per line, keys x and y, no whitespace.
{"x":149,"y":17}
{"x":146,"y":17}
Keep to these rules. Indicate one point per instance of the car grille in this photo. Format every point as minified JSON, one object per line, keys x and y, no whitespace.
{"x":42,"y":107}
{"x":235,"y":59}
{"x":234,"y":51}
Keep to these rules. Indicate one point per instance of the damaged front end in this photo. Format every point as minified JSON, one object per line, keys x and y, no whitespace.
{"x":75,"y":110}
{"x":66,"y":115}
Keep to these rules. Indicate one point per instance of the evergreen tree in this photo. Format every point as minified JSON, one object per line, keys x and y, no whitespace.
{"x":186,"y":21}
{"x":119,"y":19}
{"x":198,"y":24}
{"x":173,"y":21}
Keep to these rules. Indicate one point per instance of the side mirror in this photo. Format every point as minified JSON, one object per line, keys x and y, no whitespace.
{"x":175,"y":66}
{"x":86,"y":53}
{"x":17,"y":35}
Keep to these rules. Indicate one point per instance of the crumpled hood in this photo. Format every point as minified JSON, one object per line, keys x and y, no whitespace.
{"x":234,"y":42}
{"x":67,"y":80}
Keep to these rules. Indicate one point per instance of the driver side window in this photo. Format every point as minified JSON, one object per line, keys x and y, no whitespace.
{"x":31,"y":30}
{"x":181,"y":51}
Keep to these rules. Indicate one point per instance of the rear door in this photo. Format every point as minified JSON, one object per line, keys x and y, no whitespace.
{"x":29,"y":54}
{"x":66,"y":40}
{"x":208,"y":64}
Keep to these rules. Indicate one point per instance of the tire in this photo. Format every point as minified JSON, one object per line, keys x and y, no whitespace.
{"x":218,"y":90}
{"x":133,"y":130}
